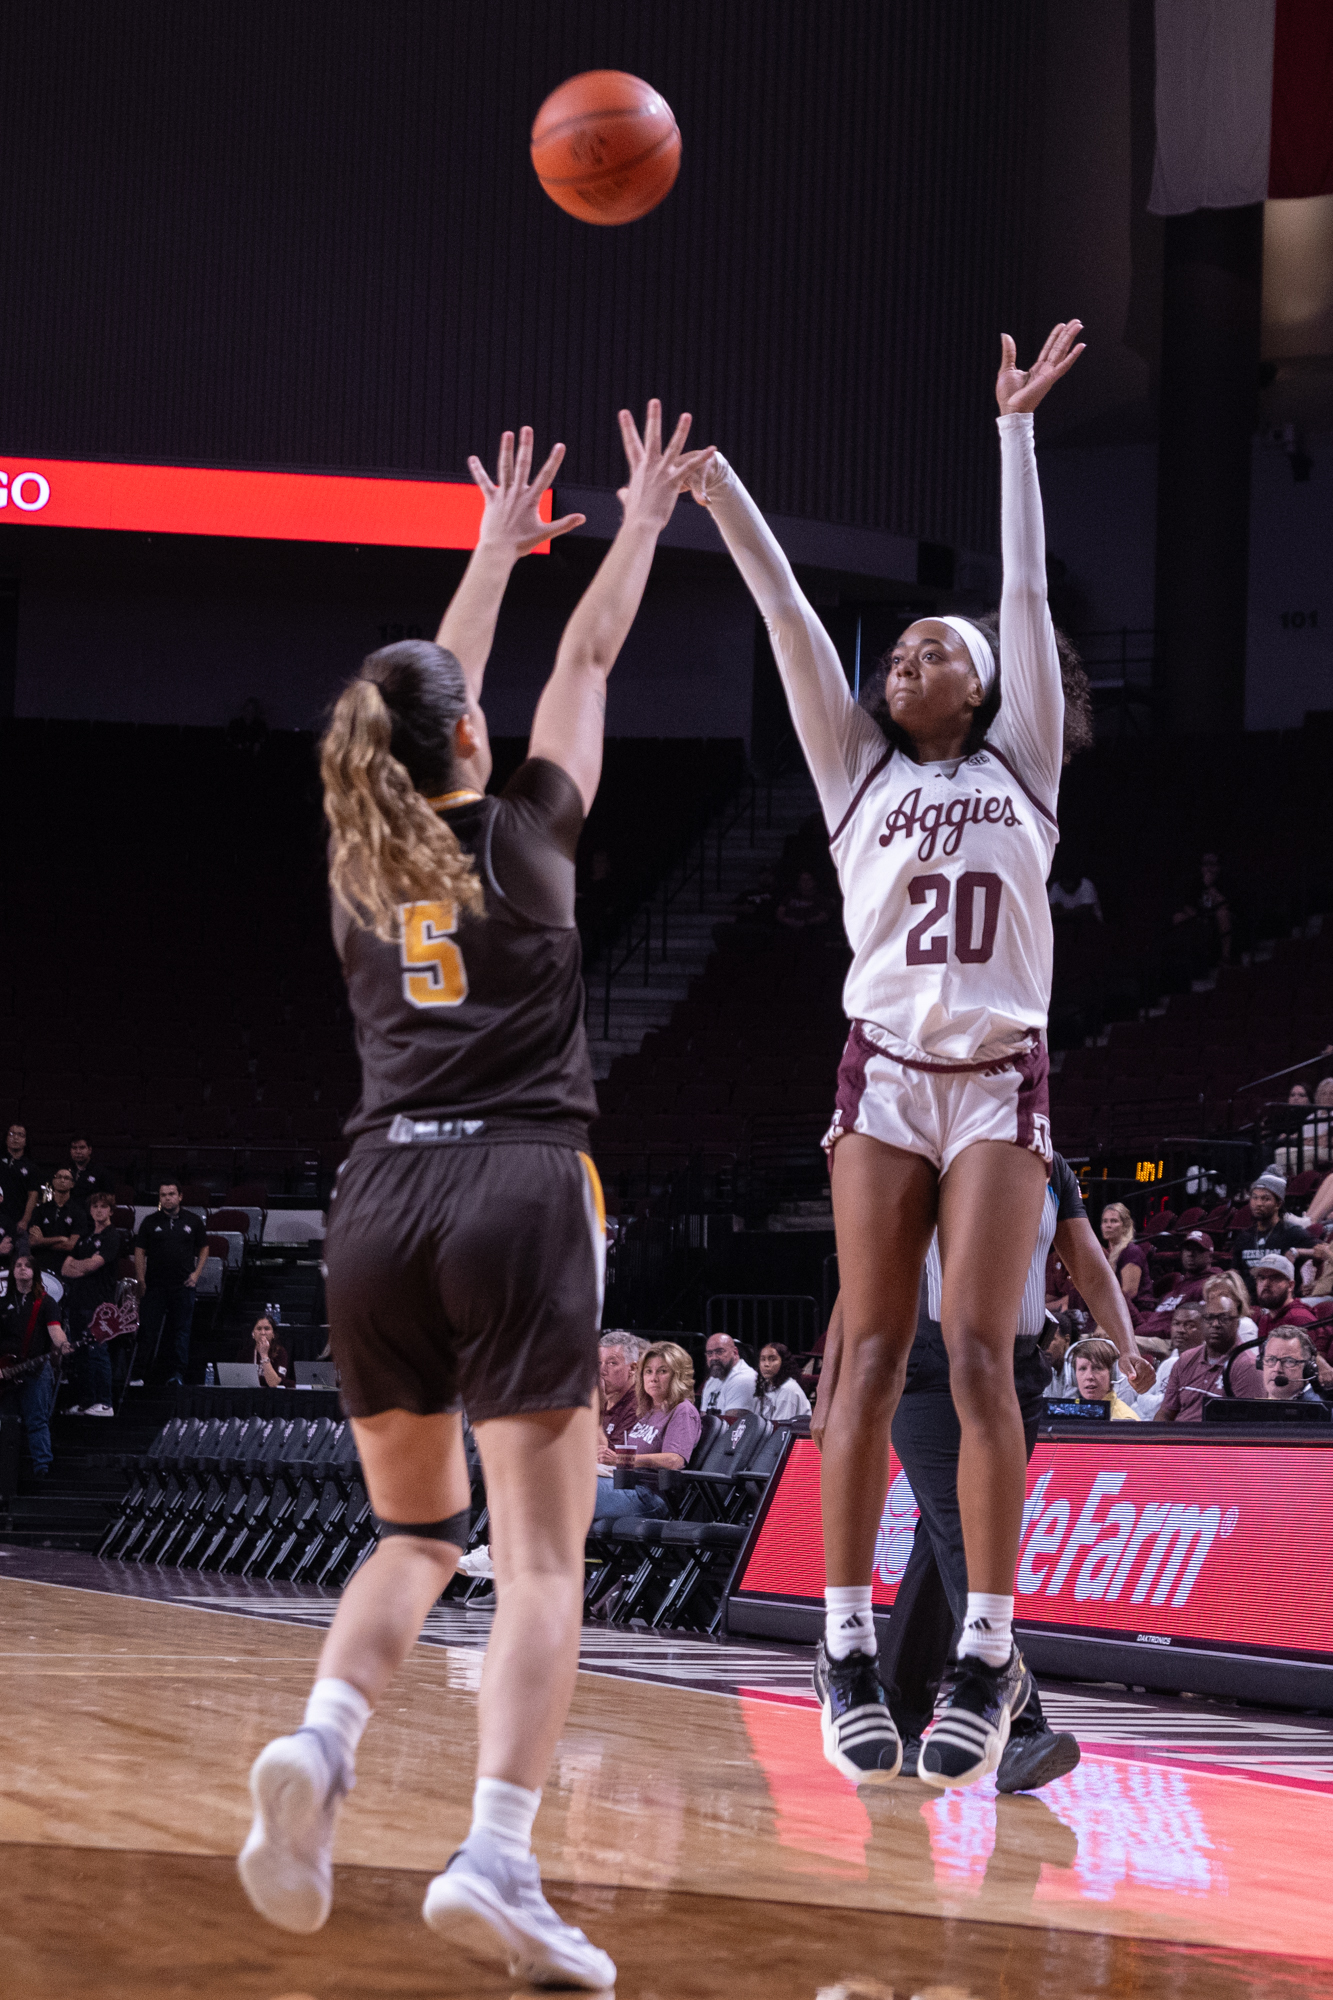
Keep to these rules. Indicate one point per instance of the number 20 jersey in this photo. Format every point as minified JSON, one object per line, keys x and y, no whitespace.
{"x":943,"y":869}
{"x":471,"y":1028}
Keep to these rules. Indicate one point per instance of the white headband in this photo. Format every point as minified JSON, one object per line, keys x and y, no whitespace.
{"x":978,"y":646}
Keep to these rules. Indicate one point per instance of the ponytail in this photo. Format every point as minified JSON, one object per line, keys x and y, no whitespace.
{"x":387,"y":846}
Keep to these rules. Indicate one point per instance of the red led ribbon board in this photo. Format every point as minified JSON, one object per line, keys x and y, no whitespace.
{"x":1223,"y":1543}
{"x":271,"y":506}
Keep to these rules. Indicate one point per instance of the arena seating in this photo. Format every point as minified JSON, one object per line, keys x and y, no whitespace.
{"x":219,"y":1042}
{"x":262,"y":1495}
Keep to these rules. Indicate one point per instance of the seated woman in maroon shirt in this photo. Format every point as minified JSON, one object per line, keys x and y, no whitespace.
{"x":664,"y":1436}
{"x":1128,"y":1259}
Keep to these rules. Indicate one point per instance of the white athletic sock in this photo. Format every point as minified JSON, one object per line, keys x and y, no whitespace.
{"x":849,"y":1625}
{"x":506,"y":1812}
{"x":341,"y":1709}
{"x":987,"y":1629}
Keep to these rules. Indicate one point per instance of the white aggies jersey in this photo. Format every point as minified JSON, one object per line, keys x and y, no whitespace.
{"x":943,"y":870}
{"x":943,"y":866}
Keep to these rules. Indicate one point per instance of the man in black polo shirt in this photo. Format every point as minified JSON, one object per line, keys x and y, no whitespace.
{"x":19,"y":1178}
{"x":88,"y":1179}
{"x":57,"y":1224}
{"x":170,"y":1251}
{"x":90,"y":1278}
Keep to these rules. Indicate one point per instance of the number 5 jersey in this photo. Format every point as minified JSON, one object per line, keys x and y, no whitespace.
{"x":472,"y":1027}
{"x":943,"y":866}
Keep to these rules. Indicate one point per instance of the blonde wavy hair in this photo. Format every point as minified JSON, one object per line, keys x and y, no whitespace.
{"x":1126,"y":1223}
{"x":387,"y":750}
{"x":682,"y":1375}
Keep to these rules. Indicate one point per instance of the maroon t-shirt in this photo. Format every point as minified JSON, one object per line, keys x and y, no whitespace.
{"x":661,"y":1430}
{"x":1136,"y":1254}
{"x":1187,"y":1292}
{"x":622,"y":1413}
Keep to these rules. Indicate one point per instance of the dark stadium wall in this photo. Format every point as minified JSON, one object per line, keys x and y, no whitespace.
{"x":289,"y":236}
{"x":153,"y":629}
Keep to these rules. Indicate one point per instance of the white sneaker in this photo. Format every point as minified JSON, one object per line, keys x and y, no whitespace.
{"x":286,"y":1866}
{"x":72,"y":1410}
{"x":494,"y":1908}
{"x":477,"y":1564}
{"x":99,"y":1410}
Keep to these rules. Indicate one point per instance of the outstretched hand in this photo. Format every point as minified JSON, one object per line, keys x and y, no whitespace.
{"x":1018,"y":389}
{"x":657,"y":475}
{"x":510,"y":515}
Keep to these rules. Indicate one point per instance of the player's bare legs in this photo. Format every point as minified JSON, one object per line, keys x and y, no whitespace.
{"x":883,"y":1212}
{"x":990,"y":1208}
{"x":541,"y":1473}
{"x":541,"y":1481}
{"x":416,"y":1472}
{"x":884,"y":1204}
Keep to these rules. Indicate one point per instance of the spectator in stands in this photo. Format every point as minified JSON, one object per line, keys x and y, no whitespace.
{"x":170,"y":1251}
{"x":90,"y":1273}
{"x":30,"y":1330}
{"x":1127,"y":1258}
{"x":663,"y":1435}
{"x":1298,"y":1094}
{"x":804,"y":909}
{"x":1206,"y":906}
{"x":778,"y":1395}
{"x":1187,"y":1330}
{"x":1316,"y":1142}
{"x":731,"y":1381}
{"x":1285,"y":1359}
{"x":88,"y":1179}
{"x":1314,"y":1271}
{"x":57,"y":1224}
{"x":1232,"y":1282}
{"x":1071,"y":892}
{"x":1197,"y":1375}
{"x":8,"y":1230}
{"x":618,"y":1360}
{"x":1196,"y":1268}
{"x":1275,"y":1283}
{"x":1094,"y":1363}
{"x":1271,"y":1228}
{"x":760,"y":904}
{"x":1055,"y":1340}
{"x":268,"y":1354}
{"x":19,"y":1178}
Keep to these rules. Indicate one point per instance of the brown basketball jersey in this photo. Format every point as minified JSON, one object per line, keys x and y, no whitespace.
{"x":472,"y":1027}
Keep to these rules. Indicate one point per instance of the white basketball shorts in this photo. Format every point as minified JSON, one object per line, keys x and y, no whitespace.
{"x":940,"y":1109}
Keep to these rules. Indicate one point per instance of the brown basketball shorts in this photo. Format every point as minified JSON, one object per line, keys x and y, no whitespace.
{"x":466,"y":1274}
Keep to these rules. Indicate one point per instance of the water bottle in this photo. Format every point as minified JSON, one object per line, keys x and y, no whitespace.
{"x":210,"y":1376}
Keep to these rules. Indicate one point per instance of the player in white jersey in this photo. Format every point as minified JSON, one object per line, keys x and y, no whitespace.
{"x":941,"y":815}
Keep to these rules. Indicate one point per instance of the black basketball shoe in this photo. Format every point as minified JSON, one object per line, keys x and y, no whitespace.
{"x":860,"y":1739}
{"x":967,"y":1738}
{"x":1035,"y":1753}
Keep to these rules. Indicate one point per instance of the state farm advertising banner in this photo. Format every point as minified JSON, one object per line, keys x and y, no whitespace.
{"x":1229,"y":1545}
{"x":210,"y":500}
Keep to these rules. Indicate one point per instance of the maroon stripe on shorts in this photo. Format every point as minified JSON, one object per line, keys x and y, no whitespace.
{"x":851,"y":1086}
{"x":1034,"y":1100}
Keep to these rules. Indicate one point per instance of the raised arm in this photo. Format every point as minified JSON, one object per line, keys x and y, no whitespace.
{"x":1029,"y":728}
{"x":839,"y":740}
{"x":510,"y":527}
{"x":570,"y":721}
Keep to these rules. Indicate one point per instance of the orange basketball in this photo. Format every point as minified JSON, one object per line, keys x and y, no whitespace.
{"x":605,"y":146}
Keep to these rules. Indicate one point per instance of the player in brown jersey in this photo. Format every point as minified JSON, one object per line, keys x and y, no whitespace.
{"x":465,"y":1240}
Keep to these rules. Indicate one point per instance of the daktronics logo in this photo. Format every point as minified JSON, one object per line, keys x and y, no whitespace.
{"x":1159,"y":1541}
{"x":28,"y":491}
{"x":1153,"y":1553}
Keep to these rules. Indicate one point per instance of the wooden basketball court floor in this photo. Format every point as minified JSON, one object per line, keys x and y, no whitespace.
{"x":690,"y":1825}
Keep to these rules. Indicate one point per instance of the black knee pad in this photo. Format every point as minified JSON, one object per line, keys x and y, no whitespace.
{"x":456,"y":1529}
